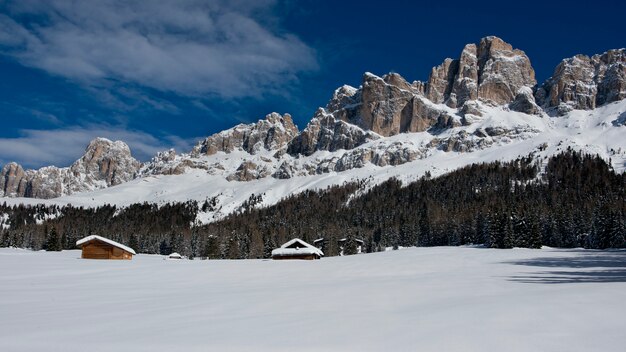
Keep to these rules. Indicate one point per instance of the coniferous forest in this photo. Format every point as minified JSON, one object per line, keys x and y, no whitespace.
{"x":577,"y":201}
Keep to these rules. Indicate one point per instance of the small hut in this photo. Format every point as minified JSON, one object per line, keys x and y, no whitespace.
{"x":297,"y":249}
{"x":320,"y":243}
{"x":175,"y":256}
{"x":97,"y":247}
{"x":347,"y":241}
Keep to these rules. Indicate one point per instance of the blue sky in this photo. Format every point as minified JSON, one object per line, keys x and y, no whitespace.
{"x":162,"y":74}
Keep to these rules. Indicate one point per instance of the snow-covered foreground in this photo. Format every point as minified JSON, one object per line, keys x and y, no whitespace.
{"x":422,"y":299}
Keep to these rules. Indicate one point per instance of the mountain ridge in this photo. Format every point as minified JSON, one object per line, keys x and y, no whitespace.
{"x":487,"y":97}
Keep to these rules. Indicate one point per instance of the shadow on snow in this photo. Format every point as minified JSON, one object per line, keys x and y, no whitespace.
{"x":586,"y":267}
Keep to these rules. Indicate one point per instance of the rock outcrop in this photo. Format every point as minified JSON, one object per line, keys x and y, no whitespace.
{"x":490,"y":70}
{"x":104,"y":164}
{"x":325,"y":132}
{"x":13,"y":182}
{"x":272,"y":133}
{"x":583,"y":82}
{"x":381,"y":107}
{"x":525,"y":102}
{"x":248,"y":171}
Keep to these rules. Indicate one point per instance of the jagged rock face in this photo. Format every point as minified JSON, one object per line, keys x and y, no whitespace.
{"x":502,"y":71}
{"x":272,"y":133}
{"x":420,"y":115}
{"x":285,"y":171}
{"x":583,"y":82}
{"x":389,"y":105}
{"x":51,"y":182}
{"x":438,"y":86}
{"x":525,"y":102}
{"x":105,"y":163}
{"x":168,"y":163}
{"x":248,"y":171}
{"x":386,"y":106}
{"x":12,"y":180}
{"x":343,"y":97}
{"x":324,"y":132}
{"x":465,"y":86}
{"x":383,"y":103}
{"x":492,"y":71}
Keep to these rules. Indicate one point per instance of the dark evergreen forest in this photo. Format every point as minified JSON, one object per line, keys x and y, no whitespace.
{"x":577,"y":202}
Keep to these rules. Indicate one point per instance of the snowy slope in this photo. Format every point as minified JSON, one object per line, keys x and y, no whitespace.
{"x":423,"y":299}
{"x":600,"y":131}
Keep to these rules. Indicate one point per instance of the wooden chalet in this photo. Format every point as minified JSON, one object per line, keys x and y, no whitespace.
{"x":297,"y":249}
{"x":358,"y":242}
{"x":97,"y":247}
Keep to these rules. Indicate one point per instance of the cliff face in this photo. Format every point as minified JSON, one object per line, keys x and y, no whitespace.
{"x":490,"y":70}
{"x":104,"y":164}
{"x":583,"y":82}
{"x":271,"y":133}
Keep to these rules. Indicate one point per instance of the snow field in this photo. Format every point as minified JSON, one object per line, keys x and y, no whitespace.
{"x":417,"y":299}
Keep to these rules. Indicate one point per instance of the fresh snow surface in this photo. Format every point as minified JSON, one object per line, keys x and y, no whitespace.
{"x":600,"y":131}
{"x":418,"y":299}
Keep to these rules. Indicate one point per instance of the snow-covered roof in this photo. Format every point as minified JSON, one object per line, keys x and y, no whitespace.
{"x":304,"y":248}
{"x":176,"y":256}
{"x":356,"y":239}
{"x":105,"y":240}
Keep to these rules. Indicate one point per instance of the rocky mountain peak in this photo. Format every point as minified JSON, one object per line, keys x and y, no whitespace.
{"x":394,"y":79}
{"x":108,"y":161}
{"x":12,"y":183}
{"x":105,"y":163}
{"x":271,"y":133}
{"x":491,"y":70}
{"x":583,"y":82}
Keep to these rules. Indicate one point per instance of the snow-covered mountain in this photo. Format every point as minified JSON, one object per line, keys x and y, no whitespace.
{"x":484,"y":106}
{"x":104,"y":164}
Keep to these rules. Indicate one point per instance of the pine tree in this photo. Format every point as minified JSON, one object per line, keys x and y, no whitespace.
{"x":534,"y":231}
{"x":53,"y":241}
{"x":268,"y":246}
{"x":350,"y":246}
{"x":133,"y":243}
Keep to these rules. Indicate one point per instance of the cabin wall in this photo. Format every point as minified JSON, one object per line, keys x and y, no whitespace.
{"x":99,"y":250}
{"x":301,"y":257}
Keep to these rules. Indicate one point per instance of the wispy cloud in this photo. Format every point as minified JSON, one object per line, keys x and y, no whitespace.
{"x":186,"y":47}
{"x":60,"y":147}
{"x":37,"y":114}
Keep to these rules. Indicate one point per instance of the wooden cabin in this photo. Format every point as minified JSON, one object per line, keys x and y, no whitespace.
{"x":320,"y":243}
{"x":359,"y":243}
{"x":297,"y":249}
{"x":97,"y":247}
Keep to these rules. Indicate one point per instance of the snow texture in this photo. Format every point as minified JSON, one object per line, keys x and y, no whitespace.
{"x":419,"y":299}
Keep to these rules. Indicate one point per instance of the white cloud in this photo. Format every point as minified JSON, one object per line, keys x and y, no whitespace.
{"x":188,"y":47}
{"x":61,"y":147}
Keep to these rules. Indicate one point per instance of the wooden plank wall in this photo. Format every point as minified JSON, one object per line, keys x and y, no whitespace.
{"x":100,"y":250}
